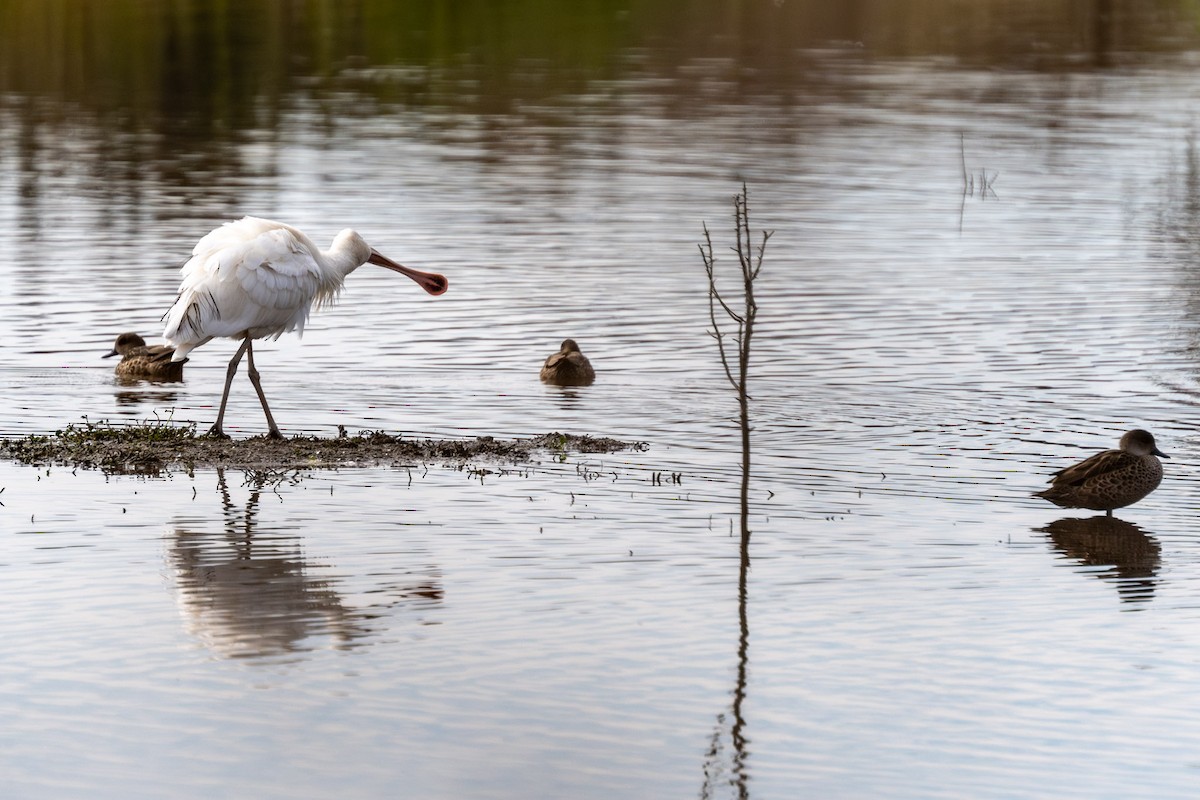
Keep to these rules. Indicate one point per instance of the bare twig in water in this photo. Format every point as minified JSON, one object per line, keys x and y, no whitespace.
{"x":986,"y":185}
{"x":750,"y":261}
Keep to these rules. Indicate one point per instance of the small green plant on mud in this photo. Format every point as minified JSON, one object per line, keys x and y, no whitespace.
{"x":148,"y":431}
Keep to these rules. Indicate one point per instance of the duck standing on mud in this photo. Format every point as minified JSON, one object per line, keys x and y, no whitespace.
{"x":1112,"y":479}
{"x":140,"y":360}
{"x":568,"y":367}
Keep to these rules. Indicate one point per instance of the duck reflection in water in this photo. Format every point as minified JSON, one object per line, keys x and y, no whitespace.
{"x":140,"y":361}
{"x":568,"y":367}
{"x":135,"y":398}
{"x":248,"y":593}
{"x":1127,"y":556}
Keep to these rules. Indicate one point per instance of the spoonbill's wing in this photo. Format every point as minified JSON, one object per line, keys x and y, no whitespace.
{"x":250,"y":275}
{"x":274,"y":271}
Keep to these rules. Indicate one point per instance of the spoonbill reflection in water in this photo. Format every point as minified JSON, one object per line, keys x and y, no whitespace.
{"x":255,"y":278}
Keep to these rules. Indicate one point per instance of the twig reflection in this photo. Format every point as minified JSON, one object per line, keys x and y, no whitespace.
{"x":715,"y":772}
{"x":1132,"y":557}
{"x":252,"y":594}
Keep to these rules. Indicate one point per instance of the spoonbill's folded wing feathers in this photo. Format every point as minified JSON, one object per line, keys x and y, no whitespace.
{"x":249,"y":275}
{"x":277,"y":271}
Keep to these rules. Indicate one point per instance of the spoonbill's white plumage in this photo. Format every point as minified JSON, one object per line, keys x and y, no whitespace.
{"x":255,"y":278}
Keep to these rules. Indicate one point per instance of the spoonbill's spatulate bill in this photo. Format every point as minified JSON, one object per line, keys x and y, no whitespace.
{"x":256,"y":278}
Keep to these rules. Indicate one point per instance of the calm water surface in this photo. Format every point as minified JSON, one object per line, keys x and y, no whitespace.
{"x":915,"y":625}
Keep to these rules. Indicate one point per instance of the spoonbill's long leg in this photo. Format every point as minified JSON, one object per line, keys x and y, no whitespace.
{"x":262,"y":398}
{"x":230,"y":371}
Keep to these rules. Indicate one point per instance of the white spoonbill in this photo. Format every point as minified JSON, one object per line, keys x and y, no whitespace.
{"x":255,"y":278}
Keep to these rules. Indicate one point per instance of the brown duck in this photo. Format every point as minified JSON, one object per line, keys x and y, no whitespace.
{"x":1112,"y":479}
{"x":140,"y":360}
{"x":568,"y":367}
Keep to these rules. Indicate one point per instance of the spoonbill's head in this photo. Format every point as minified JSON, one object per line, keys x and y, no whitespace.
{"x":350,"y":245}
{"x":349,"y":241}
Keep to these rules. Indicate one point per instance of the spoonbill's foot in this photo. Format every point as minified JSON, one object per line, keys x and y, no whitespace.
{"x":274,"y":434}
{"x":215,"y":432}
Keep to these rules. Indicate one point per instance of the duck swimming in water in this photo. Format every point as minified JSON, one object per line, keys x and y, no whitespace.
{"x":140,"y":360}
{"x":568,"y":367}
{"x":1112,"y":479}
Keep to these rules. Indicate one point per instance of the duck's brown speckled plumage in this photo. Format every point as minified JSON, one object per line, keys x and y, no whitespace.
{"x":568,"y":367}
{"x":142,"y":361}
{"x":1112,"y":479}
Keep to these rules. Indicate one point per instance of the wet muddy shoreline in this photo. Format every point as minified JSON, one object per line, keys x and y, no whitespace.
{"x":154,"y":448}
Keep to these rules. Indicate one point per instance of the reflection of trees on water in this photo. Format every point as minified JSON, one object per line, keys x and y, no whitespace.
{"x":195,"y":97}
{"x":1177,"y":230}
{"x":239,"y":57}
{"x":248,"y":592}
{"x":1125,"y":555}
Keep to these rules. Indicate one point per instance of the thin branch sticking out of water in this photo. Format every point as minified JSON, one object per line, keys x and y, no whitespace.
{"x":986,"y":183}
{"x":750,"y":261}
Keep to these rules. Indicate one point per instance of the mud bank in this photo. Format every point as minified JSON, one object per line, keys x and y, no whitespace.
{"x":152,"y":447}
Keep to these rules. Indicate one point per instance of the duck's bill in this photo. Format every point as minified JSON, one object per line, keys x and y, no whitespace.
{"x":110,"y":354}
{"x":429,"y":281}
